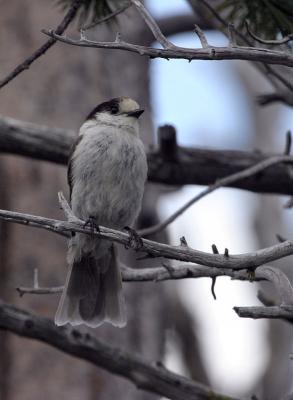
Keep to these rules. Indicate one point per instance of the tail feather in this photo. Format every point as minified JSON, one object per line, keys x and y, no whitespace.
{"x":93,"y":293}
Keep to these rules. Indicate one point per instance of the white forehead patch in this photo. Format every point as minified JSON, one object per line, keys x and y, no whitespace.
{"x":127,"y":104}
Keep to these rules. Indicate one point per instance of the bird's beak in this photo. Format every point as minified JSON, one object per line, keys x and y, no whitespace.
{"x":135,"y":113}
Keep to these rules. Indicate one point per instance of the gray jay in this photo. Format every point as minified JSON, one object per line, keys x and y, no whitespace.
{"x":106,"y":175}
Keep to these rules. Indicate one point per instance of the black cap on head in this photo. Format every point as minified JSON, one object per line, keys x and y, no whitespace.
{"x":118,"y":105}
{"x":111,"y":106}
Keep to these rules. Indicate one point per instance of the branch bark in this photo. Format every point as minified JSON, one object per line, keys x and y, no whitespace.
{"x":152,"y":378}
{"x":153,"y":26}
{"x":209,"y":53}
{"x":154,"y":249}
{"x":189,"y":166}
{"x":275,"y":312}
{"x":269,"y":72}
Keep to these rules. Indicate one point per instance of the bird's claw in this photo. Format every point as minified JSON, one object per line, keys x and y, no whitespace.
{"x":135,"y":241}
{"x":91,"y":222}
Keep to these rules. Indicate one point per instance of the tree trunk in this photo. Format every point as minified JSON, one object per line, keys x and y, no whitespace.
{"x":59,"y":90}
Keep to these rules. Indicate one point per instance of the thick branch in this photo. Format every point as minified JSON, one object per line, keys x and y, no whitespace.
{"x":276,"y":312}
{"x":209,"y":53}
{"x":189,"y":166}
{"x":154,"y":249}
{"x":206,"y":166}
{"x":145,"y":376}
{"x":36,"y":141}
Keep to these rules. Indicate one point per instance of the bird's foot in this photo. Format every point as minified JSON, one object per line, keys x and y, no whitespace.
{"x":92,"y":224}
{"x":135,"y":241}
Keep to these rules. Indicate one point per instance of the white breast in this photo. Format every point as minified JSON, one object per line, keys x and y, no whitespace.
{"x":109,"y":171}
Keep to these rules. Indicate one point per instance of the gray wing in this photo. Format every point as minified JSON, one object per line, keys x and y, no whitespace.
{"x":70,"y":161}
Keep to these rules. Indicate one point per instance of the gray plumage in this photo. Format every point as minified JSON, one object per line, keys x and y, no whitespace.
{"x":107,"y":173}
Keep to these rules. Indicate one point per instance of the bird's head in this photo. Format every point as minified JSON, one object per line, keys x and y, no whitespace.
{"x":119,"y":112}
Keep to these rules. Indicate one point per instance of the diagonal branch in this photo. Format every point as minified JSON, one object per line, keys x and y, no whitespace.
{"x":151,"y":23}
{"x":201,"y":36}
{"x":154,"y":249}
{"x":246,"y":173}
{"x":46,"y":46}
{"x":152,"y":378}
{"x":210,"y":53}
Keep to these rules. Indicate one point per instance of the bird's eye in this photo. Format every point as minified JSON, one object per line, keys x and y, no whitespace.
{"x":114,"y":110}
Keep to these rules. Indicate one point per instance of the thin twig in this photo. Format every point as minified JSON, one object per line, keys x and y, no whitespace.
{"x":266,"y":69}
{"x":106,"y":18}
{"x":151,"y":23}
{"x":214,"y":53}
{"x":66,"y":208}
{"x":220,"y":183}
{"x":201,"y":36}
{"x":231,"y":35}
{"x":22,"y":290}
{"x":36,"y":288}
{"x":284,"y":40}
{"x":46,"y":46}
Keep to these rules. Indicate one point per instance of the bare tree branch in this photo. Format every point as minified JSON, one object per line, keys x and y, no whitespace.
{"x":202,"y":37}
{"x":210,"y":53}
{"x":255,"y":169}
{"x":181,"y":253}
{"x":186,"y":271}
{"x":275,"y":312}
{"x":46,"y":46}
{"x":188,"y":166}
{"x":269,"y":72}
{"x":153,"y":26}
{"x":152,"y":378}
{"x":22,"y":290}
{"x":36,"y":141}
{"x":36,"y":289}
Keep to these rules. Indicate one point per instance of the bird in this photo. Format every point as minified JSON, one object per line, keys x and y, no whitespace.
{"x":107,"y":171}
